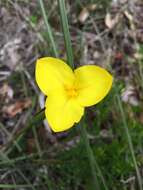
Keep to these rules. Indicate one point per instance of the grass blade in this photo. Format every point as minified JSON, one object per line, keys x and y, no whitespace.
{"x":125,"y":125}
{"x":49,"y":31}
{"x":90,"y":155}
{"x":65,"y":26}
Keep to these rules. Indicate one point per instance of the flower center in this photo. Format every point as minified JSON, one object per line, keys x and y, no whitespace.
{"x":71,"y":92}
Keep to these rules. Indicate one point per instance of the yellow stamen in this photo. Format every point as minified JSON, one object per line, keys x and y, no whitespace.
{"x":71,"y":92}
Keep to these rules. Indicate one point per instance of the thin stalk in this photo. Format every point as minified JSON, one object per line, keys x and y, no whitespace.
{"x":70,"y":61}
{"x":23,"y":81}
{"x":40,"y":155}
{"x":26,"y":179}
{"x":3,"y":156}
{"x":100,"y":174}
{"x":37,"y":141}
{"x":49,"y":31}
{"x":65,"y":27}
{"x":7,"y":161}
{"x":10,"y":137}
{"x":15,"y":186}
{"x":90,"y":155}
{"x":93,"y":162}
{"x":125,"y":125}
{"x":18,"y":137}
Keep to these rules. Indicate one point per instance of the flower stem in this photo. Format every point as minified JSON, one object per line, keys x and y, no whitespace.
{"x":89,"y":154}
{"x":70,"y":61}
{"x":65,"y":27}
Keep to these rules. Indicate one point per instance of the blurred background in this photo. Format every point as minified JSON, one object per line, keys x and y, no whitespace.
{"x":105,"y":33}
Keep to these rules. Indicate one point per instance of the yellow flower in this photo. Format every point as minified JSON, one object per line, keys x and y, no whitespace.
{"x":68,"y":91}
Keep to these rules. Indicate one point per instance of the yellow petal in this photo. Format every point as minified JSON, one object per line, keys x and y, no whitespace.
{"x":62,"y":112}
{"x":52,"y":73}
{"x":93,"y":83}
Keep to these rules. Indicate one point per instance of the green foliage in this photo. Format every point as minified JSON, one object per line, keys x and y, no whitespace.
{"x":34,"y":19}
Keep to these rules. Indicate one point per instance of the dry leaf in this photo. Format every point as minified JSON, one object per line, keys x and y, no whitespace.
{"x":84,"y":14}
{"x":106,"y":134}
{"x":110,"y":23}
{"x":9,"y":53}
{"x":13,"y":109}
{"x":128,"y":15}
{"x":129,"y":96}
{"x":6,"y":92}
{"x":138,"y":55}
{"x":92,"y":7}
{"x":96,"y":55}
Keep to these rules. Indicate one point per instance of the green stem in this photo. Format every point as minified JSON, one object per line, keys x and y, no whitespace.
{"x":15,"y":186}
{"x":65,"y":27}
{"x":10,"y":137}
{"x":125,"y":125}
{"x":70,"y":61}
{"x":49,"y":31}
{"x":90,"y":155}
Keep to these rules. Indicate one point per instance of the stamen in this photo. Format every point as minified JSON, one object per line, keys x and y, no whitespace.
{"x":71,"y":92}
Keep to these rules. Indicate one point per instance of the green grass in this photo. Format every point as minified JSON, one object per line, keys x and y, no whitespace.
{"x":65,"y":27}
{"x":49,"y":30}
{"x":129,"y":142}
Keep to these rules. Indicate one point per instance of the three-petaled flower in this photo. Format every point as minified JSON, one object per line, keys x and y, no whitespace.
{"x":69,"y":92}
